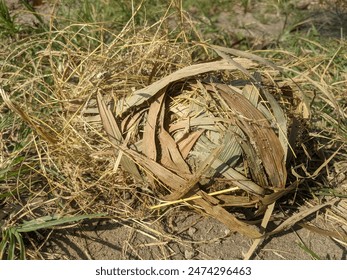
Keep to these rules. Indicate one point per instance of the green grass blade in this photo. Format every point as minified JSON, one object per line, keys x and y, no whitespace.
{"x":4,"y":243}
{"x":21,"y":245}
{"x":55,"y":220}
{"x":313,"y":255}
{"x":11,"y":245}
{"x":6,"y":21}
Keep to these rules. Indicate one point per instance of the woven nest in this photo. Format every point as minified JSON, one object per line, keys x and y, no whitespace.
{"x":211,"y":135}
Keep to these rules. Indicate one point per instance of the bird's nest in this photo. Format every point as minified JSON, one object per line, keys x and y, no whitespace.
{"x":213,"y":135}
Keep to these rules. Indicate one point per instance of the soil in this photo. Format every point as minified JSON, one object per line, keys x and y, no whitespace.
{"x":187,"y":234}
{"x":195,"y":237}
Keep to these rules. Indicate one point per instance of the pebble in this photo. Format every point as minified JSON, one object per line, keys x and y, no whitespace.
{"x":189,"y":254}
{"x":191,"y":231}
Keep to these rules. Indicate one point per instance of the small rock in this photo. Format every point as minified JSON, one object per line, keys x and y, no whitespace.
{"x":189,"y":254}
{"x":191,"y":231}
{"x":302,"y":4}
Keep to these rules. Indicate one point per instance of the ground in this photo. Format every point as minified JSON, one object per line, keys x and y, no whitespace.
{"x":184,"y":233}
{"x":195,"y":237}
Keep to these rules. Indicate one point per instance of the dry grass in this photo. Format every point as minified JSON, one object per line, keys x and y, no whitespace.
{"x":63,"y":158}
